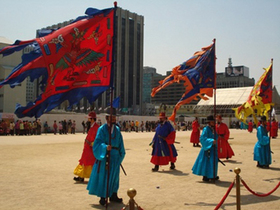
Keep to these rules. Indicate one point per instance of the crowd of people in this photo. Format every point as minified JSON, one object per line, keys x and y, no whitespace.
{"x":21,"y":127}
{"x":36,"y":127}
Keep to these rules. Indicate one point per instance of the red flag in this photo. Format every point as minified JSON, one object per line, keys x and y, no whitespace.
{"x":75,"y":62}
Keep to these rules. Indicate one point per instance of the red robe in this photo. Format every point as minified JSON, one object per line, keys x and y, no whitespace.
{"x":274,"y":129}
{"x":224,"y":149}
{"x":268,"y":126}
{"x":195,"y":132}
{"x":250,"y":127}
{"x":87,"y":160}
{"x":87,"y":155}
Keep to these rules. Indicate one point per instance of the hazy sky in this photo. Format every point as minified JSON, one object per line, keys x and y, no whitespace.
{"x":248,"y":31}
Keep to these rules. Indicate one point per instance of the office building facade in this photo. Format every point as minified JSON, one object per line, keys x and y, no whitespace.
{"x":9,"y":97}
{"x":128,"y":75}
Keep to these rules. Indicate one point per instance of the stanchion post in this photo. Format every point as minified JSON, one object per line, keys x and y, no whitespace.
{"x":131,"y":192}
{"x":237,"y":171}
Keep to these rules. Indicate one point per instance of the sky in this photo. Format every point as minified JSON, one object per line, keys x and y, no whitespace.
{"x":247,"y":31}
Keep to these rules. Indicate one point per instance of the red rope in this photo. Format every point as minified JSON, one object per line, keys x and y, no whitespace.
{"x":260,"y":195}
{"x":225,"y":196}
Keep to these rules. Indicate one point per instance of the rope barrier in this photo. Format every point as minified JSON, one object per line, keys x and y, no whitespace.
{"x":225,"y":196}
{"x":256,"y":194}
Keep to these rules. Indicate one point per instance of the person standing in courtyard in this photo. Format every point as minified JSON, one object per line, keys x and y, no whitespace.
{"x":46,"y":127}
{"x":106,"y":151}
{"x":73,"y":127}
{"x":164,"y":150}
{"x":54,"y":127}
{"x":206,"y":163}
{"x":84,"y":127}
{"x":262,"y":152}
{"x":195,"y":133}
{"x":250,"y":126}
{"x":224,"y":149}
{"x":274,"y":128}
{"x":84,"y":168}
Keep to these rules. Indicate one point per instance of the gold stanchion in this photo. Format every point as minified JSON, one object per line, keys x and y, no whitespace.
{"x":131,"y":192}
{"x":237,"y":171}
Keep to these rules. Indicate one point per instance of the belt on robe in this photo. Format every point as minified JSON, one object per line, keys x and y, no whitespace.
{"x":98,"y":162}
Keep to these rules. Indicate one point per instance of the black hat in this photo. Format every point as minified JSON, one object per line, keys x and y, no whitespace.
{"x":108,"y":111}
{"x":210,"y":118}
{"x":263,"y":118}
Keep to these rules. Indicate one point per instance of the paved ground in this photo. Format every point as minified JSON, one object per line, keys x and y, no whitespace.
{"x":37,"y":173}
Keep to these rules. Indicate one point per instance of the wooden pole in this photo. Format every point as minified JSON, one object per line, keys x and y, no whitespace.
{"x":270,"y":111}
{"x":108,"y":156}
{"x":111,"y":113}
{"x":215,"y":133}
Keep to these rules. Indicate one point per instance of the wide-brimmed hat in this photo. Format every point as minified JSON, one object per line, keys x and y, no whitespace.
{"x":219,"y":117}
{"x":263,"y":118}
{"x":92,"y":115}
{"x":162,"y":115}
{"x":108,"y":111}
{"x":210,"y":118}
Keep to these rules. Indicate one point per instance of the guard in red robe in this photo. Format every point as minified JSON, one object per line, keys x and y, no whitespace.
{"x":268,"y":126}
{"x":274,"y":129}
{"x":83,"y":170}
{"x":250,"y":126}
{"x":224,"y":149}
{"x":195,"y":133}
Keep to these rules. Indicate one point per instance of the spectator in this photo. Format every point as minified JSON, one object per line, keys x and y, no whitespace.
{"x":46,"y":127}
{"x":60,"y":127}
{"x":84,"y":127}
{"x":54,"y":127}
{"x":73,"y":127}
{"x":12,"y":128}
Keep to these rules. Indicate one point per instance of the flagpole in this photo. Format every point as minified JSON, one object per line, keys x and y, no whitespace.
{"x":111,"y":112}
{"x":215,"y":133}
{"x":270,"y":111}
{"x":109,"y":152}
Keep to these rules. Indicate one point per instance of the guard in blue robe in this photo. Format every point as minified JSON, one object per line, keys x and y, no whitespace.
{"x":207,"y":159}
{"x":97,"y":184}
{"x":262,"y":152}
{"x":164,"y":150}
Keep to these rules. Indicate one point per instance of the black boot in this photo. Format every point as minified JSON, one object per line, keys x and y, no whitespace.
{"x":205,"y":179}
{"x":114,"y":198}
{"x":155,"y":168}
{"x":102,"y":201}
{"x":172,"y":166}
{"x":78,"y":179}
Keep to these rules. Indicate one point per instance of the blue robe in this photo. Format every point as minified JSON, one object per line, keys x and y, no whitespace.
{"x":97,"y":184}
{"x":204,"y":164}
{"x":262,"y":152}
{"x":164,"y":151}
